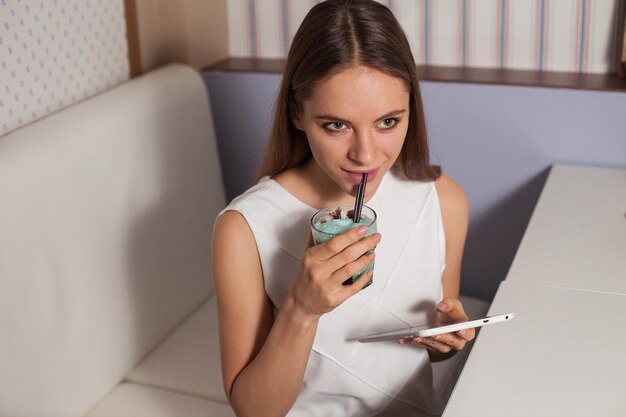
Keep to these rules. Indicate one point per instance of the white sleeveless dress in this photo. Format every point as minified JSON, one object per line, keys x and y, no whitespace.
{"x":344,"y":377}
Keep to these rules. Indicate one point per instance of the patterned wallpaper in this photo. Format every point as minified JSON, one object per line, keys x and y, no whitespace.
{"x":54,"y":53}
{"x":556,"y":35}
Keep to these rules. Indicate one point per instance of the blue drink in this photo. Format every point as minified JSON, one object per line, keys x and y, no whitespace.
{"x":337,"y":219}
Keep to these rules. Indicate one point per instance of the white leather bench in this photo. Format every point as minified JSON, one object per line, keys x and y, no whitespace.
{"x":106,"y":214}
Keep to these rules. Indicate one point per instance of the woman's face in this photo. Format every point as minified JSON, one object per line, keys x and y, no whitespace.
{"x":355,"y":121}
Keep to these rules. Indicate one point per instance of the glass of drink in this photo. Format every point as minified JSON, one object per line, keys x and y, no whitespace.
{"x":337,"y":219}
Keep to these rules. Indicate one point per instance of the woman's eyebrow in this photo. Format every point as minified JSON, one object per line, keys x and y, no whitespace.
{"x":392,"y":114}
{"x":339,"y":119}
{"x":330,"y":117}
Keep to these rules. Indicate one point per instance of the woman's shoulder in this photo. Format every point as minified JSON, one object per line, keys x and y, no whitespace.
{"x":454,"y":206}
{"x":396,"y":183}
{"x":449,"y":191}
{"x":234,"y":216}
{"x":230,"y":222}
{"x":258,"y":191}
{"x":262,"y":207}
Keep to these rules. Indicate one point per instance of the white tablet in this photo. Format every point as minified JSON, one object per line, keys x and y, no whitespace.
{"x":432,"y":329}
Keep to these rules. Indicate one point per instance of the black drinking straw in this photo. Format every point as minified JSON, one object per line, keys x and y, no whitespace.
{"x":358,"y":203}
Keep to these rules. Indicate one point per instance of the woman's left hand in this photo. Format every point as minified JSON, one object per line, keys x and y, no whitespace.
{"x":449,"y":310}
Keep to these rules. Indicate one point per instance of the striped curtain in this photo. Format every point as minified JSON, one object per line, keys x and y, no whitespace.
{"x":555,"y":35}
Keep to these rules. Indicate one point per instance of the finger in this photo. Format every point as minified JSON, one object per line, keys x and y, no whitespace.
{"x":360,"y":283}
{"x":337,"y":244}
{"x":454,"y":341}
{"x":354,"y":251}
{"x":425,"y":343}
{"x":467,"y":334}
{"x":435,"y":345}
{"x":453,"y":310}
{"x":414,"y":341}
{"x":310,"y":242}
{"x":348,"y":271}
{"x":349,"y":290}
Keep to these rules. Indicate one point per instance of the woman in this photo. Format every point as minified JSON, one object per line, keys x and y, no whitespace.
{"x":349,"y":103}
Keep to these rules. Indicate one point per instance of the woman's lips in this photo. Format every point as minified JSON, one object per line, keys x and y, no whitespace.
{"x":356,"y":177}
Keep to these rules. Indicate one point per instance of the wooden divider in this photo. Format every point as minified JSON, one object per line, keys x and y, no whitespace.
{"x":605,"y":82}
{"x":132,"y":36}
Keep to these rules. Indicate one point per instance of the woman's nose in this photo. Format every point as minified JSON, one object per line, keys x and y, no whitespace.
{"x":362,"y":148}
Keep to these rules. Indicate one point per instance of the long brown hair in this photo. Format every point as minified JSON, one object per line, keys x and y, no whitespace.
{"x":336,"y":34}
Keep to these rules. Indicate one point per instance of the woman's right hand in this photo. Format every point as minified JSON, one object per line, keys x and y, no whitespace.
{"x":318,"y":287}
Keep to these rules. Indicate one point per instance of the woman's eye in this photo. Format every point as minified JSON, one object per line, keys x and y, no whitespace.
{"x":334,"y":126}
{"x":388,"y":123}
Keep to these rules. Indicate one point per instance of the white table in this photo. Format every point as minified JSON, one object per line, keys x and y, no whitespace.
{"x":563,"y":353}
{"x":576,"y":236}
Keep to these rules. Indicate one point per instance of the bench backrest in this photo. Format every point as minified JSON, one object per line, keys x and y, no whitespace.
{"x":106,"y":213}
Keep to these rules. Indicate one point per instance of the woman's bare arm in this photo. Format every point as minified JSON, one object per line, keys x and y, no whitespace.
{"x":454,"y":213}
{"x":263,"y":360}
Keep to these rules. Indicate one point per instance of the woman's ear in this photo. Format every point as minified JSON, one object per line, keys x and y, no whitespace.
{"x":297,"y":123}
{"x":295,"y":119}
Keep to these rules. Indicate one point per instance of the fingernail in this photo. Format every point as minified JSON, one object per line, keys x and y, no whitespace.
{"x":362,"y":230}
{"x":371,"y":256}
{"x":376,"y":237}
{"x":462,"y":333}
{"x":442,"y":306}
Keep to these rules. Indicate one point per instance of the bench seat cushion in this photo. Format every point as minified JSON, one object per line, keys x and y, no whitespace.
{"x":134,"y":400}
{"x":189,"y":359}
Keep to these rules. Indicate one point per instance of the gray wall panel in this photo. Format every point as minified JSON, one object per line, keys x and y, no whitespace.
{"x":242,"y":105}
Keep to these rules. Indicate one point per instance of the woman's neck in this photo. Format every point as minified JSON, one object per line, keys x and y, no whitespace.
{"x":310,"y":184}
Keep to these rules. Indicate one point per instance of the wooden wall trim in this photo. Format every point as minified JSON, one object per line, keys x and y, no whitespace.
{"x":550,"y":79}
{"x":132,"y":37}
{"x":621,"y":39}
